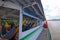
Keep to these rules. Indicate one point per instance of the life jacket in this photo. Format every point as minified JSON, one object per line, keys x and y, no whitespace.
{"x":45,"y":25}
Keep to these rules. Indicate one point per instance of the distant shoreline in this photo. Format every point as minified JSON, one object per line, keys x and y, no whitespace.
{"x":54,"y":20}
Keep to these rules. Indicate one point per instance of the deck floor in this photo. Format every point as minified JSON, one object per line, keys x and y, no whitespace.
{"x":44,"y":35}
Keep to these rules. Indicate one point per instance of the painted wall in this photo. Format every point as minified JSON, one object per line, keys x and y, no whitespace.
{"x":30,"y":34}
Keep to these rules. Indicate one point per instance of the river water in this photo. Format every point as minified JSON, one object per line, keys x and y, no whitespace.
{"x":54,"y":27}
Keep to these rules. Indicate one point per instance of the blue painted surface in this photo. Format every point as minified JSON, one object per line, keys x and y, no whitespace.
{"x":32,"y":13}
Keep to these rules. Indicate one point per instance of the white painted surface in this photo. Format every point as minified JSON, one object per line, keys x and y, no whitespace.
{"x":20,"y":28}
{"x":54,"y":27}
{"x":29,"y":15}
{"x":22,"y":34}
{"x":28,"y":31}
{"x":10,"y":5}
{"x":1,"y":3}
{"x":34,"y":37}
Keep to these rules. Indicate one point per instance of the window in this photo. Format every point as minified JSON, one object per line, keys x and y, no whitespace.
{"x":9,"y":26}
{"x":28,"y":23}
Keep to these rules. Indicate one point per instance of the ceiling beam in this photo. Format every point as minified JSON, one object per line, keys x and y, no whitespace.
{"x":13,"y":15}
{"x":40,"y":8}
{"x":19,"y":3}
{"x":30,"y":5}
{"x":37,"y":12}
{"x":31,"y":9}
{"x":22,"y":2}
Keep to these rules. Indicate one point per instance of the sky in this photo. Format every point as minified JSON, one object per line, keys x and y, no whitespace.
{"x":51,"y":9}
